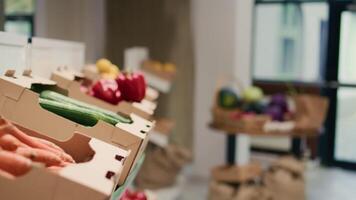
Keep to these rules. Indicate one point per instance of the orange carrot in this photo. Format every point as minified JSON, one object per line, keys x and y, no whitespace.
{"x":7,"y":127}
{"x":54,"y":169}
{"x":10,"y":143}
{"x":40,"y":155}
{"x":6,"y":174}
{"x":48,"y":143}
{"x":14,"y":164}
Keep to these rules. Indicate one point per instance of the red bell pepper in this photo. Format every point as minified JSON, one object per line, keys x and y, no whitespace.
{"x":107,"y":90}
{"x":132,"y":86}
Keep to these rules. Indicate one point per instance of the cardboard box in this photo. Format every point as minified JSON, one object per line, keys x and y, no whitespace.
{"x":90,"y":180}
{"x":20,"y":104}
{"x":71,"y":81}
{"x":151,"y":94}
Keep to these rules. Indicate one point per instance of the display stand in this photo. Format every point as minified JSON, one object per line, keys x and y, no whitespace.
{"x":238,"y":167}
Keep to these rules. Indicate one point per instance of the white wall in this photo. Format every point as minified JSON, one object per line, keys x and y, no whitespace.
{"x":79,"y":20}
{"x":218,"y":51}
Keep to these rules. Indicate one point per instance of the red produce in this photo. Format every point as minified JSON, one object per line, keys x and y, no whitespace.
{"x":132,"y":195}
{"x":107,"y":90}
{"x":132,"y":86}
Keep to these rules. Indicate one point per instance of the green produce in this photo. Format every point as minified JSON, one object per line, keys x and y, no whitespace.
{"x":255,"y":107}
{"x":227,"y":98}
{"x":252,"y":94}
{"x":50,"y":95}
{"x":80,"y":115}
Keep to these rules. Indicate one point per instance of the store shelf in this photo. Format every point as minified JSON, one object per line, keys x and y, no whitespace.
{"x":158,"y":138}
{"x":157,"y":82}
{"x":236,"y":131}
{"x":160,"y":134}
{"x":117,"y":194}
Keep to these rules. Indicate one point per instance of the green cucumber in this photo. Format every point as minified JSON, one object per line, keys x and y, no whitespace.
{"x":47,"y":94}
{"x":80,"y":115}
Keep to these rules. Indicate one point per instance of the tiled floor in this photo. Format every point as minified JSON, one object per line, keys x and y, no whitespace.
{"x":322,"y":184}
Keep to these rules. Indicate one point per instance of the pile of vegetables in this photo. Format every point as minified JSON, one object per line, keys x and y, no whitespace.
{"x":252,"y":101}
{"x":18,"y":151}
{"x":115,"y":86}
{"x":133,"y":195}
{"x":127,"y":86}
{"x":77,"y":111}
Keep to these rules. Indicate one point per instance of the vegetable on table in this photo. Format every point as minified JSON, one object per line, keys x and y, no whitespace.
{"x":132,"y":86}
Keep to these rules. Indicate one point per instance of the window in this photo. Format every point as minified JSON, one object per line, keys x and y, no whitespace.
{"x":289,"y":41}
{"x":19,"y":16}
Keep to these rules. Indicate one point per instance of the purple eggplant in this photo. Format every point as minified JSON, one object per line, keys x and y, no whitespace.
{"x":279,"y":100}
{"x":275,"y":112}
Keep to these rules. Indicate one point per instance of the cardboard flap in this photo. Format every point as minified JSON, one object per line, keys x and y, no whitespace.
{"x":107,"y":164}
{"x":39,"y":183}
{"x":144,"y":107}
{"x":149,"y":104}
{"x":31,"y":115}
{"x":26,"y":79}
{"x":68,"y":73}
{"x":139,"y":127}
{"x":151,"y":94}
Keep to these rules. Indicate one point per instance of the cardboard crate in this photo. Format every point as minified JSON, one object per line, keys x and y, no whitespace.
{"x":71,"y":81}
{"x":93,"y":179}
{"x":20,"y":104}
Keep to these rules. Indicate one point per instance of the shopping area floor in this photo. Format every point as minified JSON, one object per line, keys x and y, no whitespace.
{"x":321,"y":183}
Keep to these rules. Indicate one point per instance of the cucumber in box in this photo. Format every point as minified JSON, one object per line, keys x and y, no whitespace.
{"x":82,"y":113}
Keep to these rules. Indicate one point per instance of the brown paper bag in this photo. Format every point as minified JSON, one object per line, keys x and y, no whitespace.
{"x":222,"y":191}
{"x":311,"y":112}
{"x":161,"y":167}
{"x":285,"y":179}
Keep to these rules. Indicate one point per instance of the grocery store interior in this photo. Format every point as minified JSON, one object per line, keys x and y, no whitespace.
{"x":177,"y":99}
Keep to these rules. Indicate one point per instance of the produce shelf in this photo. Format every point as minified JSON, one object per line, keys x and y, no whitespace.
{"x":117,"y":194}
{"x":160,"y":134}
{"x":157,"y":82}
{"x":236,"y":131}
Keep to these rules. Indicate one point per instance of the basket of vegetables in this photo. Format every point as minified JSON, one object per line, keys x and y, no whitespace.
{"x":250,"y":111}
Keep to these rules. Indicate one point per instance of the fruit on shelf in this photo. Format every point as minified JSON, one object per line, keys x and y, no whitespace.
{"x":132,"y":86}
{"x":169,"y":67}
{"x":103,"y":65}
{"x":107,"y":90}
{"x":252,"y":94}
{"x":156,"y":65}
{"x":227,"y":98}
{"x":107,"y":69}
